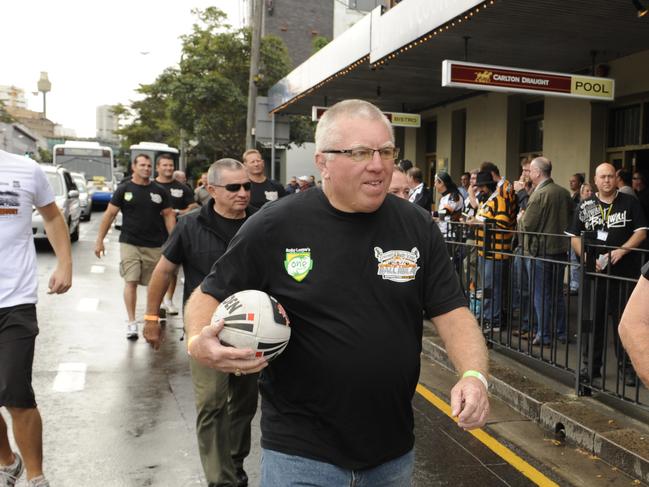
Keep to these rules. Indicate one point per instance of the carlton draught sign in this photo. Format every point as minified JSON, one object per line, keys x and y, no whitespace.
{"x":513,"y":80}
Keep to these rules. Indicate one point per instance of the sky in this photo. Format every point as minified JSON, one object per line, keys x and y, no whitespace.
{"x":95,"y":53}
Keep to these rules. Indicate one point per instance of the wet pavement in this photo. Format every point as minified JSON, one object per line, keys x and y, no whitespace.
{"x":118,"y":414}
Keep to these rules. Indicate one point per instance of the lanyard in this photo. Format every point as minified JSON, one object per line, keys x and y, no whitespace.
{"x":605,"y":214}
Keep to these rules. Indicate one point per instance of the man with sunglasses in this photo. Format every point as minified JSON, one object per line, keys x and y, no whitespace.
{"x":225,"y":404}
{"x":263,"y":189}
{"x":354,"y":267}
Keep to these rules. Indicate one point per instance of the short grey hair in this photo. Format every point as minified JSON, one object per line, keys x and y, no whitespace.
{"x":543,"y":164}
{"x":215,"y":172}
{"x":327,"y":134}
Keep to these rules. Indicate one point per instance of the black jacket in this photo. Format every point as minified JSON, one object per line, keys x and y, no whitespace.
{"x":196,"y":244}
{"x":424,"y":198}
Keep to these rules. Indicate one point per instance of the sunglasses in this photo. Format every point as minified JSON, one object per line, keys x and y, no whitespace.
{"x":234,"y":187}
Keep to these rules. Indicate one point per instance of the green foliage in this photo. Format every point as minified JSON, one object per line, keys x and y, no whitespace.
{"x":5,"y":117}
{"x":44,"y":155}
{"x":318,"y":43}
{"x":302,"y":129}
{"x":206,"y":95}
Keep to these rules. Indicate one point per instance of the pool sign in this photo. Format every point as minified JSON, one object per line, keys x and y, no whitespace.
{"x":513,"y":80}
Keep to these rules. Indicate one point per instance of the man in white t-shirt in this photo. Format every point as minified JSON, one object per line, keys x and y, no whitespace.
{"x":23,"y":186}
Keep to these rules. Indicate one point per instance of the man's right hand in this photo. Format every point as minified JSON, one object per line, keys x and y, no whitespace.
{"x":208,"y":350}
{"x":153,"y":333}
{"x":99,"y":249}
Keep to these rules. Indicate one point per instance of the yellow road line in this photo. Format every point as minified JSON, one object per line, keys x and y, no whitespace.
{"x":490,"y":442}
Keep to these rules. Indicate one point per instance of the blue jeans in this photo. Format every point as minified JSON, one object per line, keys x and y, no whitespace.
{"x":549,"y":302}
{"x":521,"y":289}
{"x":492,"y":288}
{"x":282,"y":470}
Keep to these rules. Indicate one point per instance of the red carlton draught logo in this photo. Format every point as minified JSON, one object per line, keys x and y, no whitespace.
{"x":513,"y":80}
{"x":510,"y":78}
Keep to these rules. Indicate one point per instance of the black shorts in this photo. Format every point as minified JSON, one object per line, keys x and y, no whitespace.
{"x":18,"y":330}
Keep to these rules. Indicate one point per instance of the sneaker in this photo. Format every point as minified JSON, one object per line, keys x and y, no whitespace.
{"x":168,"y":305}
{"x":10,"y":474}
{"x":39,"y":481}
{"x":131,"y":330}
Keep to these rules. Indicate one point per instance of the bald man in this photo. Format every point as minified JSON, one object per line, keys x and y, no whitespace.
{"x":616,"y":225}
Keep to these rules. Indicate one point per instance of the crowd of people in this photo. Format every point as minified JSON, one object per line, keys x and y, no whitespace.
{"x":336,"y":405}
{"x":530,"y":232}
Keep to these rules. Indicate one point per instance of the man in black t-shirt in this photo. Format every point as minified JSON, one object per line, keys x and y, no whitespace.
{"x":182,"y":201}
{"x":353,"y":267}
{"x":225,"y":404}
{"x":147,"y":220}
{"x":634,"y":326}
{"x":614,"y":224}
{"x":263,"y":189}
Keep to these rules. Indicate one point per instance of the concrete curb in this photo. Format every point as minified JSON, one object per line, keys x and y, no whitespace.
{"x":563,"y":415}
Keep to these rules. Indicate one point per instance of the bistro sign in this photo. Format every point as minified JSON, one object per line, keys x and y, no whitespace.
{"x":395,"y":118}
{"x":513,"y":80}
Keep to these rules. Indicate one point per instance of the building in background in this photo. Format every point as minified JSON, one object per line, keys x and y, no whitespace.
{"x":394,"y":59}
{"x":298,"y":23}
{"x":12,"y":96}
{"x":18,"y":139}
{"x":107,"y":124}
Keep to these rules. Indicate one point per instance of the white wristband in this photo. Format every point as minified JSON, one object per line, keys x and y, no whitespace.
{"x":477,"y":375}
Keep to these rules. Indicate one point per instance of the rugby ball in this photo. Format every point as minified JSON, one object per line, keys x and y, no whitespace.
{"x":253,"y":319}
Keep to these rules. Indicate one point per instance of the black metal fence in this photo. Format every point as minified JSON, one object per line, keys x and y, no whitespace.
{"x":539,"y":301}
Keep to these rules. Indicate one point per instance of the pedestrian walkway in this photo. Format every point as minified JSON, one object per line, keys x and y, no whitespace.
{"x":583,"y":422}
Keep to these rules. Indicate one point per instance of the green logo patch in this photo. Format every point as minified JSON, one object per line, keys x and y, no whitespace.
{"x":128,"y":196}
{"x":298,"y":263}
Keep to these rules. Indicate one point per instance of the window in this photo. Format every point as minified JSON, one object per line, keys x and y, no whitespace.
{"x":624,"y":126}
{"x":532,"y":132}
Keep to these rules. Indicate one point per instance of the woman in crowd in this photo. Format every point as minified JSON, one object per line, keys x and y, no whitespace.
{"x":451,"y":203}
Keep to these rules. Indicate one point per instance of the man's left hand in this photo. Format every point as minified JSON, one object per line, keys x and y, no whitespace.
{"x":616,"y":255}
{"x":470,"y":403}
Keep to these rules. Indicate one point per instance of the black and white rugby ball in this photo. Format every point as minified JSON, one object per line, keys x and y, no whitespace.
{"x":253,"y":319}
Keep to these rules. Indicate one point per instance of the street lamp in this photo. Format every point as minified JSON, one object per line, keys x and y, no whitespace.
{"x":44,"y":86}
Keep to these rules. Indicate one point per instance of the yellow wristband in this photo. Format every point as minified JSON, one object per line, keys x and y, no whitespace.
{"x":189,"y":343}
{"x":151,"y":317}
{"x":477,"y":375}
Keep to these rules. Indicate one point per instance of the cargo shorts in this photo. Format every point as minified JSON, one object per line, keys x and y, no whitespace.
{"x":137,"y":263}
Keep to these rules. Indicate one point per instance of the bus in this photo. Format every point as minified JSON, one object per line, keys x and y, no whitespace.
{"x":154,"y":150}
{"x":94,"y":161}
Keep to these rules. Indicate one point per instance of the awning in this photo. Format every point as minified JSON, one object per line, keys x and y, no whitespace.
{"x":394,"y":60}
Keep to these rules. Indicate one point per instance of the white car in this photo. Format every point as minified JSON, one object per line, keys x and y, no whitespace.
{"x":85,"y":201}
{"x":67,"y":199}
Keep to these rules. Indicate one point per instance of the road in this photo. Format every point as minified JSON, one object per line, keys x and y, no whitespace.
{"x":118,"y":414}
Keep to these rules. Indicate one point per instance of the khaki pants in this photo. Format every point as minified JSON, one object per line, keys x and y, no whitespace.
{"x":137,"y":263}
{"x":225,"y":405}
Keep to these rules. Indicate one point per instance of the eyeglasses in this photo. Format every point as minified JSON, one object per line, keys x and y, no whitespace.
{"x":360,"y":154}
{"x":234,"y":187}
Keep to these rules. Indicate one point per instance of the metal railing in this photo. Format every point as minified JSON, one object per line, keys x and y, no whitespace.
{"x":525,"y":306}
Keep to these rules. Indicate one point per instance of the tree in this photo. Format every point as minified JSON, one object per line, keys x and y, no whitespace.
{"x":5,"y":117}
{"x":318,"y":43}
{"x":206,"y":96}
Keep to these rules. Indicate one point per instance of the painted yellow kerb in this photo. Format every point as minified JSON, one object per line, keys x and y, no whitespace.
{"x":490,"y":442}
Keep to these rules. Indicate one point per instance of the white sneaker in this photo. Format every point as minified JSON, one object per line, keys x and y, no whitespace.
{"x":131,"y":330}
{"x":10,"y":474}
{"x":38,"y":482}
{"x":168,"y":304}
